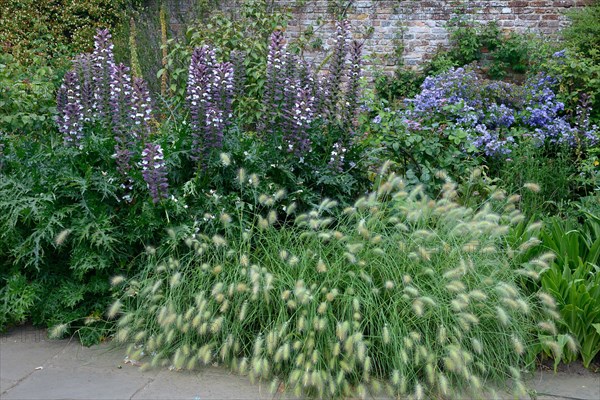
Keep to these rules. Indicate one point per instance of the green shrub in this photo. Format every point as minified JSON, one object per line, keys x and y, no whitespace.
{"x":513,"y":54}
{"x":27,"y":92}
{"x":404,"y":83}
{"x":52,"y":28}
{"x":397,"y":292}
{"x":17,"y":298}
{"x":583,"y":33}
{"x":551,"y":168}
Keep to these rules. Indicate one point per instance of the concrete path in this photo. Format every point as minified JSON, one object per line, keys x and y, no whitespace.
{"x":33,"y":367}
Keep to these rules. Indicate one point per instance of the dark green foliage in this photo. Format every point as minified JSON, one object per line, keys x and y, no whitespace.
{"x":583,"y":34}
{"x":418,"y":154}
{"x":27,"y":91}
{"x":552,"y":168}
{"x":17,"y":298}
{"x":52,"y":28}
{"x":63,"y":228}
{"x":511,"y":55}
{"x":404,"y":83}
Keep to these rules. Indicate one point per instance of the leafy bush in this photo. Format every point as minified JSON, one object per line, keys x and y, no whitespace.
{"x":27,"y":94}
{"x":459,"y":116}
{"x":404,"y":83}
{"x":576,"y":76}
{"x":397,"y":292}
{"x":242,"y":40}
{"x":583,"y":33}
{"x":574,"y":281}
{"x":79,"y":206}
{"x":51,"y":28}
{"x":513,"y":54}
{"x":18,"y":298}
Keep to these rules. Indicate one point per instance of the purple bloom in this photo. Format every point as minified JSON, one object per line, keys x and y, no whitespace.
{"x":70,"y":111}
{"x":222,"y":87}
{"x":120,"y":105}
{"x":297,"y":140}
{"x":560,"y":54}
{"x":103,"y":64}
{"x":490,"y":143}
{"x":351,"y":106}
{"x":199,"y":95}
{"x":82,"y":65}
{"x":154,"y":172}
{"x":140,"y":112}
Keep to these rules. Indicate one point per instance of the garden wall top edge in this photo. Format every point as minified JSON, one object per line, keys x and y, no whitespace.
{"x":412,"y":29}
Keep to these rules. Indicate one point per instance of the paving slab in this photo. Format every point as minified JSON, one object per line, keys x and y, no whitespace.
{"x":78,"y":383}
{"x":33,"y":367}
{"x":23,"y":350}
{"x":578,"y":384}
{"x":211,"y":383}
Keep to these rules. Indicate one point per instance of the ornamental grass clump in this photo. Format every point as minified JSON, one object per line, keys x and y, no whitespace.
{"x":398,"y":293}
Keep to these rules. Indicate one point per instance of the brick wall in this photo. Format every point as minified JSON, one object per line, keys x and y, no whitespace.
{"x":415,"y":26}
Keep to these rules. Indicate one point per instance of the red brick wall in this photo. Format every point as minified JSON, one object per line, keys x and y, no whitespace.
{"x":416,"y":25}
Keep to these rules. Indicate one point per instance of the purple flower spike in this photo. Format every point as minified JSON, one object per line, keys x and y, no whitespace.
{"x":351,"y":106}
{"x":199,"y":95}
{"x":103,"y":63}
{"x":70,"y":111}
{"x":222,"y":88}
{"x":154,"y":172}
{"x":297,"y":140}
{"x":141,"y":110}
{"x":120,"y":100}
{"x":82,"y":64}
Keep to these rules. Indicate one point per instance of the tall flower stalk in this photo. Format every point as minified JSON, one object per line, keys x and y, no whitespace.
{"x":275,"y":81}
{"x":199,"y":95}
{"x":352,"y":93}
{"x":336,"y":70}
{"x":154,"y":172}
{"x":70,"y":111}
{"x":297,"y":139}
{"x":103,"y":63}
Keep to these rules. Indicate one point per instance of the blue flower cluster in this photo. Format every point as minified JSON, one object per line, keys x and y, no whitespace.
{"x":497,"y":115}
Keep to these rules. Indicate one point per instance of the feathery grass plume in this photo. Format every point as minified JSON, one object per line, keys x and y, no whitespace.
{"x":61,"y":237}
{"x":114,"y":309}
{"x":533,"y":187}
{"x":58,"y":331}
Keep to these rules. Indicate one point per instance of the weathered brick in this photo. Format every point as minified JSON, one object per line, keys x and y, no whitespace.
{"x":419,"y":24}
